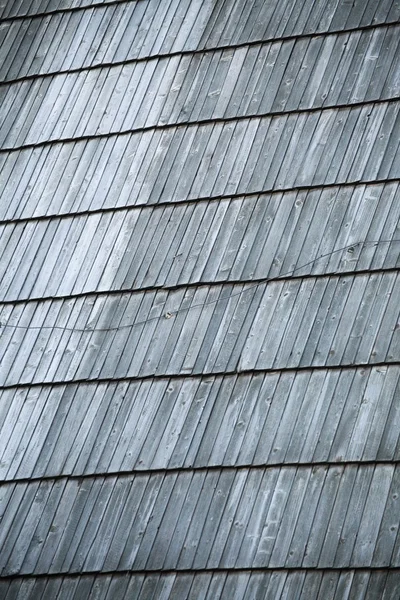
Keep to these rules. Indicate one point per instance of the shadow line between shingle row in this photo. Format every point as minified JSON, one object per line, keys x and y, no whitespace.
{"x":182,"y":53}
{"x":188,"y":124}
{"x":176,"y":376}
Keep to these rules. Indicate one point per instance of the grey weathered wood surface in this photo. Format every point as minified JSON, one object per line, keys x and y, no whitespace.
{"x":325,"y":147}
{"x":18,"y":8}
{"x":274,"y":77}
{"x":172,"y":425}
{"x":137,"y":29}
{"x":329,"y":415}
{"x":226,"y":585}
{"x":225,"y":518}
{"x":317,"y":321}
{"x":203,"y":241}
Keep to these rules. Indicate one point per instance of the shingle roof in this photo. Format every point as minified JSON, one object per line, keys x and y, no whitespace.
{"x":199,"y":299}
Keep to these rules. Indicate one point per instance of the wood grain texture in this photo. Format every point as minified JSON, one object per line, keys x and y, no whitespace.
{"x":267,"y":78}
{"x":20,"y":8}
{"x":139,"y":518}
{"x":242,"y":585}
{"x":281,"y":417}
{"x":199,"y":300}
{"x":131,"y":29}
{"x":283,"y":324}
{"x":204,"y":241}
{"x":327,"y":147}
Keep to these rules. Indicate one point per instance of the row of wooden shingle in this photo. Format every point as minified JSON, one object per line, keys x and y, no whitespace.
{"x":214,"y":585}
{"x":242,"y":156}
{"x":19,"y":8}
{"x":336,"y":320}
{"x":281,"y":76}
{"x":129,"y":30}
{"x":321,"y":516}
{"x":242,"y":238}
{"x":265,"y":418}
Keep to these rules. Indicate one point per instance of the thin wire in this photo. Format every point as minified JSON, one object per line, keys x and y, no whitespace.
{"x":168,"y":315}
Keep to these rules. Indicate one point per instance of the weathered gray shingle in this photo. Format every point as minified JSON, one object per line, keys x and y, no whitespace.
{"x":132,"y":29}
{"x":315,"y":321}
{"x":203,"y":241}
{"x":174,"y":423}
{"x":269,"y":78}
{"x":280,"y":517}
{"x":241,"y":585}
{"x":174,"y":165}
{"x":18,"y":8}
{"x":325,"y":415}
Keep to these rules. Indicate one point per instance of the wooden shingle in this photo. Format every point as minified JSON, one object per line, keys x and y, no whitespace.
{"x":199,"y":315}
